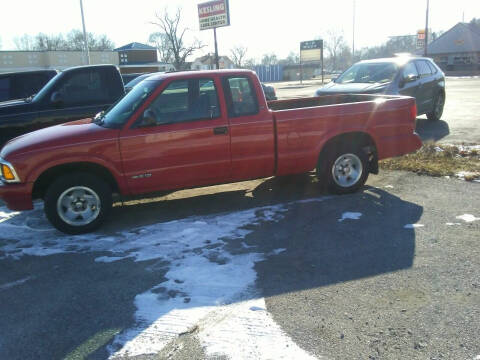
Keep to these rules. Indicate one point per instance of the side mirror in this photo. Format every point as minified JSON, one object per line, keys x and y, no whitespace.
{"x":56,"y":98}
{"x":148,"y":118}
{"x":408,"y":79}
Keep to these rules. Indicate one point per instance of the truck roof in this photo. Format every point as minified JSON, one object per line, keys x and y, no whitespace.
{"x":200,"y":73}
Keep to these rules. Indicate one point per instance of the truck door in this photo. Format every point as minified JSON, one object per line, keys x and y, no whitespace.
{"x":80,"y":94}
{"x":182,"y":139}
{"x":251,"y":128}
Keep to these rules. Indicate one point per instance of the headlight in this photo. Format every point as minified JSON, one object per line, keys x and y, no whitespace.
{"x":8,"y":172}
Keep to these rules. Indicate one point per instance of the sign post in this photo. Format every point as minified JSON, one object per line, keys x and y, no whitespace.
{"x":211,"y":15}
{"x":311,"y":51}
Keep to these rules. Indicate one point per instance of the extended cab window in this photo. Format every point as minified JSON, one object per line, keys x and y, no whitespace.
{"x":186,"y":100}
{"x":4,"y":88}
{"x":84,"y":87}
{"x":240,"y":95}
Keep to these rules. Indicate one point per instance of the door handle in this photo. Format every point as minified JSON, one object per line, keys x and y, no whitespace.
{"x":222,"y":130}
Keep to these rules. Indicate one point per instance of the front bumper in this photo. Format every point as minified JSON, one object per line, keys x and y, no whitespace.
{"x":18,"y":197}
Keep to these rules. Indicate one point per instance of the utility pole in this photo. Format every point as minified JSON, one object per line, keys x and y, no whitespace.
{"x":216,"y":48}
{"x":85,"y":35}
{"x":425,"y":52}
{"x":353,"y":37}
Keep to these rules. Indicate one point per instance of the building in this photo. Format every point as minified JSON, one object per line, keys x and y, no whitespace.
{"x":140,"y":58}
{"x":13,"y":61}
{"x":207,"y":62}
{"x":457,"y":51}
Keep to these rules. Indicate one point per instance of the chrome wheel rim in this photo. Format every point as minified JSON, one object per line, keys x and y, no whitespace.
{"x":78,"y":205}
{"x":347,"y":170}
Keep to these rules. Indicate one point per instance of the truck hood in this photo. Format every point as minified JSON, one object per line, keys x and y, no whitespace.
{"x":352,"y":88}
{"x":63,"y":136}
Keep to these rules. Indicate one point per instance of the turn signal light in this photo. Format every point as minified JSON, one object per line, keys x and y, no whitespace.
{"x":7,"y":173}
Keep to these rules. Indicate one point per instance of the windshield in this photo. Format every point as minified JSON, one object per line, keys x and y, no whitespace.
{"x":369,"y":73}
{"x":46,"y":89}
{"x":120,"y":112}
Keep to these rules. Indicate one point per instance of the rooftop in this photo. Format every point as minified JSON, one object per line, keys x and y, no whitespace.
{"x":135,"y":46}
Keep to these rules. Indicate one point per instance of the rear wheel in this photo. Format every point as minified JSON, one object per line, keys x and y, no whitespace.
{"x":343,"y":169}
{"x":437,"y":112}
{"x":78,"y":203}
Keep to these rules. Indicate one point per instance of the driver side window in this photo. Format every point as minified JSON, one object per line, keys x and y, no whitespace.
{"x":186,"y":100}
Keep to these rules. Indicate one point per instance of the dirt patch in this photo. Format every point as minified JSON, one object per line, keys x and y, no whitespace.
{"x":439,"y":160}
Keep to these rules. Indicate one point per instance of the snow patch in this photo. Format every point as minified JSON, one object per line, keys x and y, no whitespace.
{"x":413,"y":226}
{"x":259,"y":336}
{"x":467,"y":218}
{"x":14,"y":283}
{"x":350,"y":215}
{"x":389,"y":186}
{"x":452,"y":224}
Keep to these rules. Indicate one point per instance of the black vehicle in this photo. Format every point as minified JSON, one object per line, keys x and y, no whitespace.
{"x":418,"y":77}
{"x":269,"y":92}
{"x":139,"y":78}
{"x":129,"y":77}
{"x":73,"y":94}
{"x":20,"y":85}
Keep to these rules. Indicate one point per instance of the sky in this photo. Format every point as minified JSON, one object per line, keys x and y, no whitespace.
{"x":263,"y":26}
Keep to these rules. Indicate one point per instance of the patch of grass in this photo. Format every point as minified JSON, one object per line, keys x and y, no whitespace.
{"x":438,"y":160}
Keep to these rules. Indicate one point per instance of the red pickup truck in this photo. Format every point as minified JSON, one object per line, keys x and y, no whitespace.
{"x":191,"y":129}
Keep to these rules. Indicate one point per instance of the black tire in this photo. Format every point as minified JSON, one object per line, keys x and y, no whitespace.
{"x":325,"y":168}
{"x":438,"y":105}
{"x":67,"y":187}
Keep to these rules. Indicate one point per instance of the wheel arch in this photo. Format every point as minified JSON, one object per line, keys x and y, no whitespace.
{"x":359,"y":138}
{"x":49,"y":175}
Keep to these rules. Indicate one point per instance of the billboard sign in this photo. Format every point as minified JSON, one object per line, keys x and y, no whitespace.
{"x":421,"y":39}
{"x":213,"y":14}
{"x":311,"y":50}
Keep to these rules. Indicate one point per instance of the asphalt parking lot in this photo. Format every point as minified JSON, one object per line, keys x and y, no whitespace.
{"x":460,"y":122}
{"x":264,"y":269}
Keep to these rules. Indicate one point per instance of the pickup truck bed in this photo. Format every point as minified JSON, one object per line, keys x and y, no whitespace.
{"x":191,"y":129}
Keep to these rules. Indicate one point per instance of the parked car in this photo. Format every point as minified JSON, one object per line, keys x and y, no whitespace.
{"x":135,"y":81}
{"x":413,"y":76}
{"x":129,"y":77}
{"x":75,"y":93}
{"x":269,"y":92}
{"x":20,"y":85}
{"x":191,"y":129}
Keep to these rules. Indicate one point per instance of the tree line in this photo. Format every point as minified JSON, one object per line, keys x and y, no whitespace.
{"x":73,"y":40}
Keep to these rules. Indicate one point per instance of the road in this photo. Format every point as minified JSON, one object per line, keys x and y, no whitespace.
{"x":461,"y":117}
{"x":262,"y":269}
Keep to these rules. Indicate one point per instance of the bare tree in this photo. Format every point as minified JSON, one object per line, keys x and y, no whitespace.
{"x":24,"y":42}
{"x":238,"y":55}
{"x":250,"y":63}
{"x":161,"y":42}
{"x":171,"y":28}
{"x":269,"y":59}
{"x":334,"y":44}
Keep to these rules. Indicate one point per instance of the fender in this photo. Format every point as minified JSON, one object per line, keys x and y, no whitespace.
{"x":81,"y":158}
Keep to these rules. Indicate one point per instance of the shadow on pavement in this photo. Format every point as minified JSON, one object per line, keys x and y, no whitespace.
{"x":78,"y":299}
{"x":432,"y":130}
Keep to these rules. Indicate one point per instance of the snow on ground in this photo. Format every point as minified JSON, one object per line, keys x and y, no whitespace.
{"x":350,"y":215}
{"x":208,"y":287}
{"x":413,"y":226}
{"x":468,"y":218}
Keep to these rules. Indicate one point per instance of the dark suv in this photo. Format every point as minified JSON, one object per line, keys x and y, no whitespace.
{"x":418,"y":77}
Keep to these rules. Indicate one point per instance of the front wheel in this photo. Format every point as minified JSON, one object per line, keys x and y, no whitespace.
{"x":344,"y":169}
{"x":78,"y":203}
{"x":438,"y":105}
